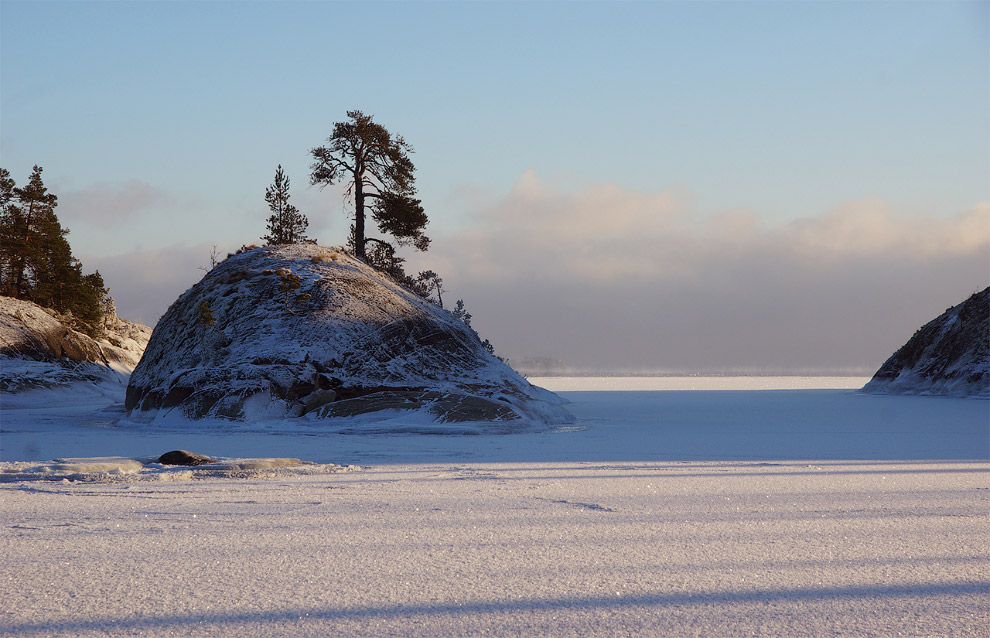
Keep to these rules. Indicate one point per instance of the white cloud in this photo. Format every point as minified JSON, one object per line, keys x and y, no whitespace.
{"x":144,"y":283}
{"x":605,"y":277}
{"x":105,"y":205}
{"x":871,"y":226}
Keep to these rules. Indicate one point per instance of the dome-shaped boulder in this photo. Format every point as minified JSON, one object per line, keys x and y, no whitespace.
{"x":307,"y":331}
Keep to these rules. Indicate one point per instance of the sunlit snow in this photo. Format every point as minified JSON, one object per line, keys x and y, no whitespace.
{"x":806,"y":508}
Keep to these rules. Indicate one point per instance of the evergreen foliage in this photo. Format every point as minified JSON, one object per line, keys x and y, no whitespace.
{"x":429,"y":282}
{"x":286,"y":225}
{"x":36,"y":262}
{"x":375,"y":165}
{"x":461,"y":313}
{"x":206,"y":318}
{"x":289,"y":284}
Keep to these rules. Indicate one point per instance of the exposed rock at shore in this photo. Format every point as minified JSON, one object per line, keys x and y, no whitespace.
{"x":37,"y":350}
{"x":287,"y":331}
{"x":949,"y":355}
{"x":183,"y":457}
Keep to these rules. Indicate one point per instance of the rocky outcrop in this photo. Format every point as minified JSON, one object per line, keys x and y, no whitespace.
{"x":307,"y":331}
{"x":38,"y":350}
{"x":949,"y":355}
{"x":183,"y":457}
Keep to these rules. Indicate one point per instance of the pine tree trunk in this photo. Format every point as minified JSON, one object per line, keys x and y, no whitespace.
{"x":359,"y":218}
{"x":22,"y":263}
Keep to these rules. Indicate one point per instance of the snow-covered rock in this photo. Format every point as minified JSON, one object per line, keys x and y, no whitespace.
{"x":947,"y":356}
{"x":246,"y":344}
{"x":39,"y":351}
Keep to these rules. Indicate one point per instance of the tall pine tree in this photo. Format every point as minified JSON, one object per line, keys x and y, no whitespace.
{"x":379,"y":175}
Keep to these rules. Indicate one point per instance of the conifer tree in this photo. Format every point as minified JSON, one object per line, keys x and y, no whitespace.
{"x":26,"y":225}
{"x":376,"y":167}
{"x":10,"y":242}
{"x":36,"y":262}
{"x":429,"y":282}
{"x":286,"y":225}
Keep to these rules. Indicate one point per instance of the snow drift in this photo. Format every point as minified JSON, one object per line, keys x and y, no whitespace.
{"x":38,"y":351}
{"x":949,"y":355}
{"x":122,"y":469}
{"x":303,"y":330}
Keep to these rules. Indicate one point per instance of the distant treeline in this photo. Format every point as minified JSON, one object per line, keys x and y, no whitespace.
{"x":36,"y":262}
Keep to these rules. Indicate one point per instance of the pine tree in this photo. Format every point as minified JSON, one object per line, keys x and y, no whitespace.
{"x":376,"y":167}
{"x":286,"y":225}
{"x":24,"y":225}
{"x":36,"y":261}
{"x":461,"y":312}
{"x":87,"y":303}
{"x":11,"y":245}
{"x":429,"y":282}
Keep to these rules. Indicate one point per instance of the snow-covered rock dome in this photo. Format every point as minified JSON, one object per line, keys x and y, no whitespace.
{"x":949,"y":355}
{"x":304,"y":330}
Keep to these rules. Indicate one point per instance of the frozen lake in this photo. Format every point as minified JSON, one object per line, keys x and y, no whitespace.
{"x":725,"y":510}
{"x":618,"y":419}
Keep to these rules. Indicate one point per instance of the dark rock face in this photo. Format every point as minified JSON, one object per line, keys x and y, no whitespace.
{"x":949,"y":355}
{"x":182,"y":457}
{"x":446,"y":407}
{"x":347,"y":341}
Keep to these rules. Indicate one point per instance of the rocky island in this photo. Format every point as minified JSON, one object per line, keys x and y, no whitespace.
{"x":949,"y":355}
{"x":307,"y":331}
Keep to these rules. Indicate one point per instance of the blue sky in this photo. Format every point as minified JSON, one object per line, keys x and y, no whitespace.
{"x":159,"y":125}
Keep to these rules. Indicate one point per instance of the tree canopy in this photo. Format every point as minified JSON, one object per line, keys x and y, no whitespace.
{"x":36,"y":262}
{"x":375,"y":166}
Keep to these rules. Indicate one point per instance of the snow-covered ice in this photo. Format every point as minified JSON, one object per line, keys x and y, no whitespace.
{"x":797,"y":510}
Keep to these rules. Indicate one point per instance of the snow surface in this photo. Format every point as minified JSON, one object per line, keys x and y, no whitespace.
{"x":121,"y":469}
{"x":812,"y":511}
{"x":658,"y":383}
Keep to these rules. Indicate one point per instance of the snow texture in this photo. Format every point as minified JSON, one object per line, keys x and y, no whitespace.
{"x":948,"y":356}
{"x":667,"y":511}
{"x":346,"y":343}
{"x":120,"y":469}
{"x":39,"y":351}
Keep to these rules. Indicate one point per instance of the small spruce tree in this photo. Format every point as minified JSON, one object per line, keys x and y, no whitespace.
{"x":461,"y":313}
{"x":286,"y":225}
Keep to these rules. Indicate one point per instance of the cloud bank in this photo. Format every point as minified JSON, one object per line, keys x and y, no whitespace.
{"x":144,"y":283}
{"x":107,"y":205}
{"x":609,"y":279}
